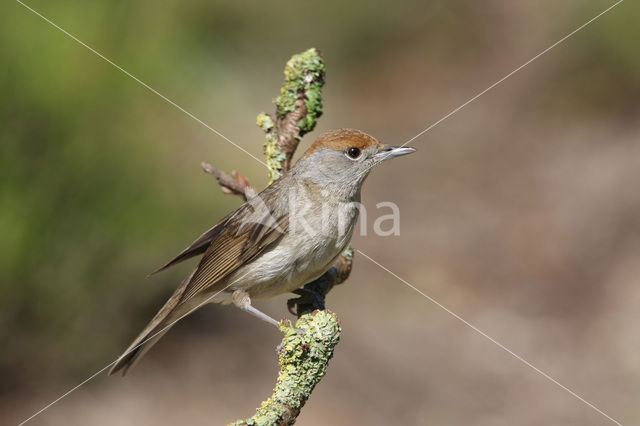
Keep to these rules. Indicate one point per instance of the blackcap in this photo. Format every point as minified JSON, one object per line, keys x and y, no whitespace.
{"x":284,"y":237}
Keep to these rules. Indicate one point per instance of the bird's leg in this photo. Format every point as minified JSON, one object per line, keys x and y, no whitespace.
{"x":242,"y":300}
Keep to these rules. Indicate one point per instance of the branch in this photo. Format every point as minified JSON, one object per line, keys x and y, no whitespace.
{"x":297,"y":110}
{"x":303,"y":356}
{"x":230,"y":184}
{"x":303,"y":359}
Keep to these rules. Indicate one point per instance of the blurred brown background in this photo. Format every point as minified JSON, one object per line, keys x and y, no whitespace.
{"x":521,"y":213}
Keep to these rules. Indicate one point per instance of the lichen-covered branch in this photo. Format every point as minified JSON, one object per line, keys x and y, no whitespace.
{"x":303,"y":358}
{"x":298,"y":108}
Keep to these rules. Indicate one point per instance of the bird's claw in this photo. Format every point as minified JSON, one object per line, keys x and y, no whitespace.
{"x":306,"y":297}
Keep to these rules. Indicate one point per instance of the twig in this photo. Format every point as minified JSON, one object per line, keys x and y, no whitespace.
{"x":230,"y":184}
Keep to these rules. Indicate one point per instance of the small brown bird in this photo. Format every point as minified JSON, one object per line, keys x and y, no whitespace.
{"x":286,"y":236}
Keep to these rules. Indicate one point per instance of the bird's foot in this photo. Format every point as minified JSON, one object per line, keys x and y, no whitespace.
{"x":310,"y":299}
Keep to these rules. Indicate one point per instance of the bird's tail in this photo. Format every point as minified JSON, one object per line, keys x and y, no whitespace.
{"x":138,"y":348}
{"x":171,"y":312}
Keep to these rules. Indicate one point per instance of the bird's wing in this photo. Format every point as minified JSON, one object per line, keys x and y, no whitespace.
{"x":235,"y":240}
{"x":250,"y":212}
{"x":233,"y":249}
{"x":199,"y":246}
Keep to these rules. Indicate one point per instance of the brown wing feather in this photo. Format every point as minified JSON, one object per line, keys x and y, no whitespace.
{"x":200,"y":245}
{"x":229,"y":252}
{"x":241,"y":236}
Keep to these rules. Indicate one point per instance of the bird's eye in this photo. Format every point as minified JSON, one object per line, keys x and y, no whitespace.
{"x":353,"y":152}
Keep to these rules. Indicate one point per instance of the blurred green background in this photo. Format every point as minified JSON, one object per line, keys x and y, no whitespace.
{"x":521,"y":212}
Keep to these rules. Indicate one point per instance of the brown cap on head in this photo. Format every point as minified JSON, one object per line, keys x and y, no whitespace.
{"x":341,"y":139}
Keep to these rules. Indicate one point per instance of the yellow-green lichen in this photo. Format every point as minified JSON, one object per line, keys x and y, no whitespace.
{"x":303,"y":79}
{"x":274,"y":157}
{"x":304,"y":354}
{"x":303,"y":74}
{"x":265,"y":122}
{"x":273,"y":154}
{"x":348,"y":253}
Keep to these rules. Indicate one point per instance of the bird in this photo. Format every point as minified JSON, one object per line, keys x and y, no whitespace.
{"x":287,"y":235}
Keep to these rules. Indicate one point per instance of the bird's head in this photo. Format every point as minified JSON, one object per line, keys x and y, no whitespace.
{"x":343,"y":158}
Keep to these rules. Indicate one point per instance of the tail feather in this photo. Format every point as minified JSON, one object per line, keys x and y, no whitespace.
{"x":138,"y":348}
{"x":172,"y":311}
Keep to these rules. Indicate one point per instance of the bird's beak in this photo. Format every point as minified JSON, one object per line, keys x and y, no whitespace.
{"x":388,"y":151}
